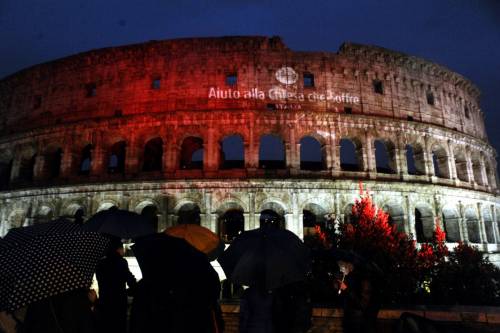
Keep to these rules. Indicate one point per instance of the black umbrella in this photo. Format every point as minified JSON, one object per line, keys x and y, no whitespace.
{"x":47,"y":259}
{"x":120,"y":223}
{"x":179,"y":268}
{"x":267,"y":256}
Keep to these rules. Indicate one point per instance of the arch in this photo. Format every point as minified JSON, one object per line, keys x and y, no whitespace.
{"x":27,"y":167}
{"x":232,"y":152}
{"x":312,"y":154}
{"x":6,"y":162}
{"x":451,"y":224}
{"x":348,"y":213}
{"x":271,"y":152}
{"x":44,"y":214}
{"x":424,"y":223}
{"x":231,"y":222}
{"x":396,"y":215}
{"x":488,"y":225}
{"x":440,"y":162}
{"x":106,"y":205}
{"x":461,"y":164}
{"x":153,"y":155}
{"x":385,"y":156}
{"x":272,"y":213}
{"x":189,"y":213}
{"x":85,"y":160}
{"x":74,"y":209}
{"x":490,"y":175}
{"x":351,"y":155}
{"x":312,"y":215}
{"x":477,"y":169}
{"x":415,"y":161}
{"x":472,"y":223}
{"x":117,"y":154}
{"x":150,"y":213}
{"x":192,"y":153}
{"x":52,"y":159}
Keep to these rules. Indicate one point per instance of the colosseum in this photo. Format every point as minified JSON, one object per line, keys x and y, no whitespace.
{"x":223,"y":130}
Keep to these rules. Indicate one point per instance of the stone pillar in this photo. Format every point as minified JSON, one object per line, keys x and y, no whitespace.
{"x":494,"y":224}
{"x":428,"y":160}
{"x":98,"y":165}
{"x":14,"y":172}
{"x":132,"y":156}
{"x":67,"y":160}
{"x":451,"y":163}
{"x":206,"y":220}
{"x":246,"y":217}
{"x":335,"y":152}
{"x":482,"y":229}
{"x":251,"y":224}
{"x":483,"y":172}
{"x":295,"y":220}
{"x":410,"y":211}
{"x":400,"y":161}
{"x":251,"y":156}
{"x":290,"y":223}
{"x":470,"y":172}
{"x":369,"y":161}
{"x":171,"y":158}
{"x":211,"y":152}
{"x":464,"y":235}
{"x":39,"y":166}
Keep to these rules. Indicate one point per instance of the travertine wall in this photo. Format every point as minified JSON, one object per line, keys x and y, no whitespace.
{"x":195,"y":93}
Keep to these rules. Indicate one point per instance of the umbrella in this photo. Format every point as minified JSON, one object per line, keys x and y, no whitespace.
{"x":176,"y":265}
{"x":45,"y":260}
{"x":268,"y":256}
{"x":120,"y":223}
{"x":200,"y":237}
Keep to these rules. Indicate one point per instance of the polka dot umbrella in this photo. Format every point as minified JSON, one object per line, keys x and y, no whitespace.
{"x":45,"y":260}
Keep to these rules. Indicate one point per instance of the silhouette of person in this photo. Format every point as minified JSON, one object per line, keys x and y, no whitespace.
{"x":113,"y":275}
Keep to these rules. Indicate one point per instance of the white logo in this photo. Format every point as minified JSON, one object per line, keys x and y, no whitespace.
{"x":286,"y":75}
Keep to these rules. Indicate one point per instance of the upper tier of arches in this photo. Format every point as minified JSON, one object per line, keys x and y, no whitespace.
{"x":267,"y":147}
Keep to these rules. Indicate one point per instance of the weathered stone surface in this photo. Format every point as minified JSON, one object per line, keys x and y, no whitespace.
{"x":119,"y":127}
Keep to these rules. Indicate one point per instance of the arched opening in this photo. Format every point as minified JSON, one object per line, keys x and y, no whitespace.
{"x":189,"y":213}
{"x":26,"y":168}
{"x":43,"y":215}
{"x":271,"y":152}
{"x":461,"y":165}
{"x":150,"y":212}
{"x":106,"y":206}
{"x":476,"y":169}
{"x":231,"y":224}
{"x":385,"y":156}
{"x":490,"y":176}
{"x":351,"y":157}
{"x":153,"y":155}
{"x":440,"y":161}
{"x":272,"y":214}
{"x":312,"y":154}
{"x":192,"y":153}
{"x":86,"y":160}
{"x":52,"y":163}
{"x":488,"y":225}
{"x":396,"y":216}
{"x":415,"y":160}
{"x":348,"y":213}
{"x":451,"y":225}
{"x":472,"y":223}
{"x":116,"y":163}
{"x":232,"y":154}
{"x":5,"y":171}
{"x":312,"y":215}
{"x":424,"y":224}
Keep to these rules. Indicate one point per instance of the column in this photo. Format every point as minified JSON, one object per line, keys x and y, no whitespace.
{"x":67,"y":161}
{"x":462,"y":222}
{"x":207,"y":219}
{"x":470,"y":172}
{"x":482,"y":229}
{"x":297,"y":225}
{"x":410,"y":211}
{"x":250,"y":224}
{"x":335,"y":152}
{"x":211,"y":152}
{"x":14,"y":172}
{"x":495,"y":224}
{"x":38,"y":167}
{"x":451,"y":163}
{"x":132,"y":156}
{"x":369,"y":162}
{"x":98,"y":165}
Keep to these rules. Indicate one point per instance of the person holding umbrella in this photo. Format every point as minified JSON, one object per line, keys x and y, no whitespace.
{"x":113,"y":276}
{"x":274,"y":262}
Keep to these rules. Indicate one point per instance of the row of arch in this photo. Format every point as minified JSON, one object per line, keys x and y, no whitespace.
{"x":314,"y":154}
{"x":474,"y":224}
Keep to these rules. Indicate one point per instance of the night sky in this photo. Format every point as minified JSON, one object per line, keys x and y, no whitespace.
{"x":463,"y":35}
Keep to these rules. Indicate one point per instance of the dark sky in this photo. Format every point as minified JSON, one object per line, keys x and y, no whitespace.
{"x":463,"y":35}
